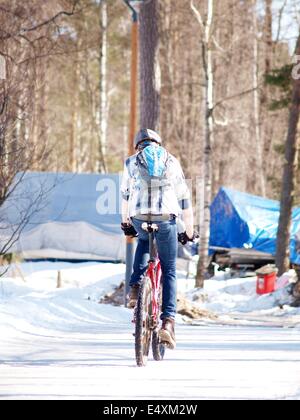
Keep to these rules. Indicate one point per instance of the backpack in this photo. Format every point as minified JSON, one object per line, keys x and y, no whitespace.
{"x":153,"y":164}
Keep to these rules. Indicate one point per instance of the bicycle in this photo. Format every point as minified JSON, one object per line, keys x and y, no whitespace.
{"x":148,"y":308}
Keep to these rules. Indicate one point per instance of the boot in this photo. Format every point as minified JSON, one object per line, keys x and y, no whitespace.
{"x":133,"y":296}
{"x":167,"y":333}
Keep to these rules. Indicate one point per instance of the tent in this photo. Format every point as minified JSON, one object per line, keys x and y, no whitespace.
{"x":64,"y":216}
{"x":240,"y":220}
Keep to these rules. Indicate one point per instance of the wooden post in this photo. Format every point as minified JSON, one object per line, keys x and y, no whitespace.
{"x":132,"y":130}
{"x":59,"y":281}
{"x":133,"y":89}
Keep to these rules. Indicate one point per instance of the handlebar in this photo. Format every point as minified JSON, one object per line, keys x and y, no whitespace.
{"x":150,"y":227}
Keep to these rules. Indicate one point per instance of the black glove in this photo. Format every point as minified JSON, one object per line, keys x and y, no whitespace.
{"x":184,"y":239}
{"x":128,"y":230}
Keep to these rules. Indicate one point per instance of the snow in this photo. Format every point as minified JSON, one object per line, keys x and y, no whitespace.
{"x":237,"y":298}
{"x":60,"y":343}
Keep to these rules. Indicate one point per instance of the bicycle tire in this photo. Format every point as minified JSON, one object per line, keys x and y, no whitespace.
{"x":142,"y":323}
{"x":158,"y":349}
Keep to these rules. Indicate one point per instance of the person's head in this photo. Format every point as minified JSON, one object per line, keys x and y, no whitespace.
{"x":145,"y":137}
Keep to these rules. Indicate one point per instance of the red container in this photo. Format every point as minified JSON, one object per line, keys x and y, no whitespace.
{"x":265,"y":283}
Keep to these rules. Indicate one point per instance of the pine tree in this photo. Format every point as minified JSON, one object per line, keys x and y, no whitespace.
{"x":149,"y":69}
{"x":289,"y":177}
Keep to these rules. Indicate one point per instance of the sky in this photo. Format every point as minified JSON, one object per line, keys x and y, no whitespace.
{"x":290,"y":21}
{"x":285,"y":28}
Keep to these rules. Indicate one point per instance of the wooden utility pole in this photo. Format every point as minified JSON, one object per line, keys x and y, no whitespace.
{"x":133,"y":88}
{"x":132,"y":127}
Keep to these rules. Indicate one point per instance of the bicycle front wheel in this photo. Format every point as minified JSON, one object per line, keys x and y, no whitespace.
{"x":143,"y":322}
{"x":158,"y":349}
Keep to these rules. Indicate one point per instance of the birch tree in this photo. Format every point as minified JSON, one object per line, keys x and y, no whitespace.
{"x":74,"y":118}
{"x":256,"y":104}
{"x":206,"y":28}
{"x":267,"y":119}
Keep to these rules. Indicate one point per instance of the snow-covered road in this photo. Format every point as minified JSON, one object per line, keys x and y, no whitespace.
{"x":63,"y":344}
{"x":97,"y":362}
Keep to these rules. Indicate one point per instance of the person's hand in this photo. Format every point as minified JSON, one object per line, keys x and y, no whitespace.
{"x":129,"y":230}
{"x":184,"y":239}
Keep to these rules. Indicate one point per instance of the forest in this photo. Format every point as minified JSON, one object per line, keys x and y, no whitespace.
{"x":217,"y":79}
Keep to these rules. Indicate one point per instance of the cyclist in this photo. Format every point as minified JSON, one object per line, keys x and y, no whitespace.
{"x":166,"y":203}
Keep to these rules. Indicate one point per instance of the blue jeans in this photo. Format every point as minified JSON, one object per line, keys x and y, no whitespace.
{"x":166,"y":241}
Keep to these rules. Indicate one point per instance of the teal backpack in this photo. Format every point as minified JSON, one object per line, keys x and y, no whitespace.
{"x":153,"y":163}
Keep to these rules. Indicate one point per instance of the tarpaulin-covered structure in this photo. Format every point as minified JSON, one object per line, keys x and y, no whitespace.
{"x":64,"y":216}
{"x":241,"y":220}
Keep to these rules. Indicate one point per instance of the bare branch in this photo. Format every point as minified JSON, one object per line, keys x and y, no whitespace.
{"x":237,"y":95}
{"x":52,"y":19}
{"x":23,"y":31}
{"x":223,"y":123}
{"x":218,"y":46}
{"x":198,"y":16}
{"x":280,"y":20}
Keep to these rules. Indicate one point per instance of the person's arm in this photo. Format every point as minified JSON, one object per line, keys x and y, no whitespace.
{"x":124,"y":210}
{"x":184,"y":200}
{"x":126,"y":224}
{"x":188,"y":219}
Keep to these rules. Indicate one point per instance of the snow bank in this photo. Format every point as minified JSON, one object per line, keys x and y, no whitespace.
{"x":239,"y":296}
{"x":36,"y":301}
{"x":29,"y":292}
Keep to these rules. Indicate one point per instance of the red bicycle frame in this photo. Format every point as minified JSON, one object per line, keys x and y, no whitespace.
{"x":154,"y":273}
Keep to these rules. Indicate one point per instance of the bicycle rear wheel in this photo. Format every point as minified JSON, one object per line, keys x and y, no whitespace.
{"x":143,"y":322}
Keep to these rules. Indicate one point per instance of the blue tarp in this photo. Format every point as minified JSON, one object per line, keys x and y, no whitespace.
{"x":67,"y":198}
{"x":70,"y":213}
{"x":240,"y":220}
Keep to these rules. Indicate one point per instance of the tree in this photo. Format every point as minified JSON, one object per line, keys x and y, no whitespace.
{"x":256,"y":104}
{"x":267,"y":119}
{"x":26,"y":37}
{"x":103,"y":87}
{"x":149,"y":68}
{"x":208,"y":124}
{"x":289,"y":176}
